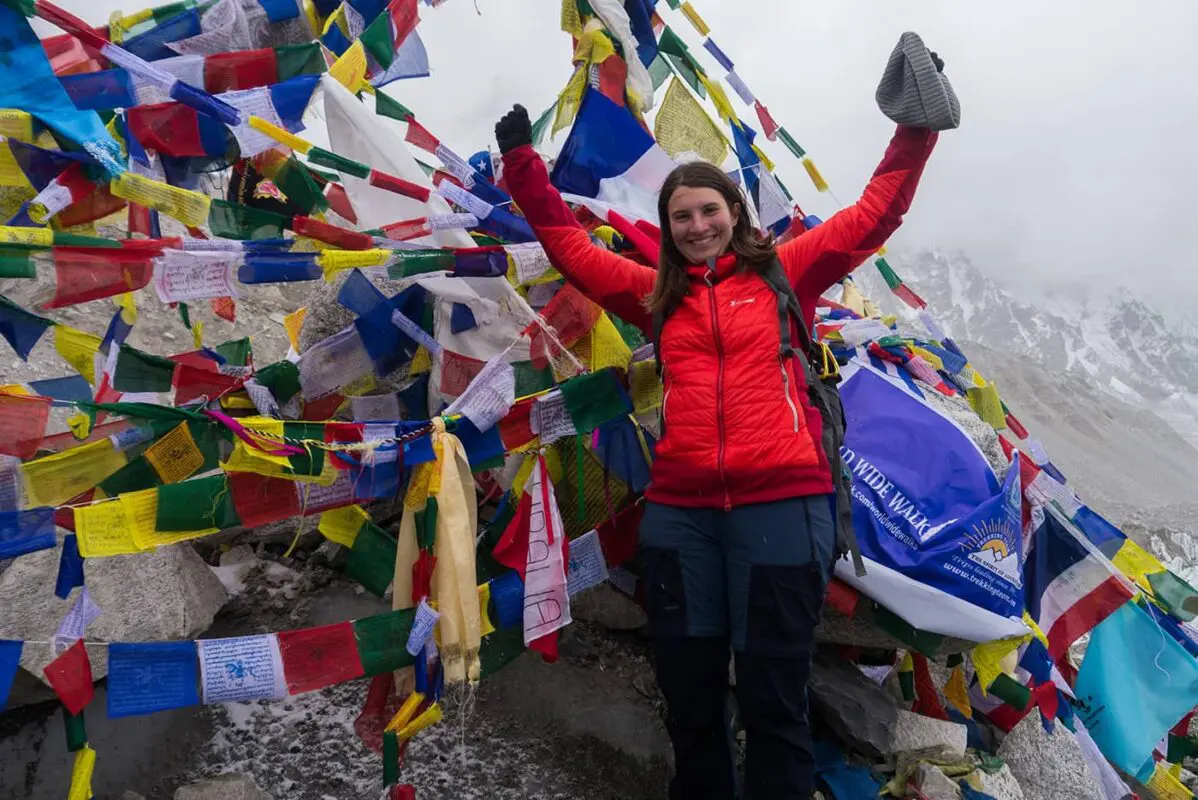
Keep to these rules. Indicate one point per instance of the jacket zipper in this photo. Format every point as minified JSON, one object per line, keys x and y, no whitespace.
{"x":794,"y":412}
{"x":719,"y":382}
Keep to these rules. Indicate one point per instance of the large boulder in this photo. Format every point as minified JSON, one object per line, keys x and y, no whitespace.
{"x":1048,"y":767}
{"x":166,"y":594}
{"x":858,"y":710}
{"x":916,"y":732}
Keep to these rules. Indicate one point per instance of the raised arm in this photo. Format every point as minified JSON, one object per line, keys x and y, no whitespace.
{"x":615,"y":283}
{"x":822,"y":256}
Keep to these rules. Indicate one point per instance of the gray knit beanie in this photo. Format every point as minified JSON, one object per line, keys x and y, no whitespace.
{"x":912,"y":91}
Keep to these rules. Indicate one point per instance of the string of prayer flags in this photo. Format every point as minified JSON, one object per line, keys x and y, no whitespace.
{"x":70,"y":676}
{"x":900,"y":289}
{"x":314,"y":658}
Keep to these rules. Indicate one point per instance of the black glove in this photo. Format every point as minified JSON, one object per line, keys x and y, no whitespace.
{"x":514,"y":130}
{"x":937,"y":60}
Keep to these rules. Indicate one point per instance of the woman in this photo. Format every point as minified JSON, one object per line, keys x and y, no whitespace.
{"x":737,"y":535}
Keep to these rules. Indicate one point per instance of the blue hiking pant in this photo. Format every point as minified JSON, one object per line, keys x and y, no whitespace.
{"x":751,"y":579}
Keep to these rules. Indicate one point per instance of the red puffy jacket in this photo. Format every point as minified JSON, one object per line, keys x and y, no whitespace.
{"x":739,"y":427}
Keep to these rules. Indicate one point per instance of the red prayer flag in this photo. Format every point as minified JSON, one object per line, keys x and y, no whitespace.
{"x":240,"y":69}
{"x":768,"y":126}
{"x":22,"y":424}
{"x":842,"y":597}
{"x":70,"y":675}
{"x":516,"y":428}
{"x":422,"y":575}
{"x":396,"y":185}
{"x":224,"y":307}
{"x":314,"y":658}
{"x":613,"y":72}
{"x":342,"y":238}
{"x":192,"y":382}
{"x":404,"y":17}
{"x":381,"y":704}
{"x":339,"y":202}
{"x":927,"y":702}
{"x":322,"y":409}
{"x":88,"y":274}
{"x":571,"y":315}
{"x":170,"y":128}
{"x":260,"y":500}
{"x":618,"y":537}
{"x":94,"y":205}
{"x":418,"y":135}
{"x":457,"y":371}
{"x":139,"y":220}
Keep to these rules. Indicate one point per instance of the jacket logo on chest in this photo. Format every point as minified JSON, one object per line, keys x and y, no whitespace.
{"x":742,"y":301}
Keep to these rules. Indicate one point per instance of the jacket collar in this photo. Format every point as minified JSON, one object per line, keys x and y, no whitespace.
{"x":714,"y":270}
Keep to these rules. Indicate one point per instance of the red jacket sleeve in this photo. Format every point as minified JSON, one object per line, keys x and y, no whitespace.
{"x":825,"y":254}
{"x":616,"y":283}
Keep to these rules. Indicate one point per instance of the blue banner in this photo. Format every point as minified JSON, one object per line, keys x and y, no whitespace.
{"x":925,"y":502}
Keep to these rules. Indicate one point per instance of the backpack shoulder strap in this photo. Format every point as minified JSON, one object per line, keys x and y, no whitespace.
{"x":788,"y":306}
{"x":659,"y":320}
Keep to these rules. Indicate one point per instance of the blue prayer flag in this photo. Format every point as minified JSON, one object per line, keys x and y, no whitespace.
{"x":24,"y":532}
{"x":146,"y":677}
{"x":70,"y":567}
{"x":10,"y":658}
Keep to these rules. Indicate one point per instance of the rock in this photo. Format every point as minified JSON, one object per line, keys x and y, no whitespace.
{"x":608,"y":607}
{"x":241,"y":554}
{"x":1001,"y":785}
{"x":131,"y":796}
{"x":982,"y":434}
{"x":232,"y":786}
{"x":934,"y":784}
{"x":917,"y":732}
{"x":857,"y":710}
{"x":166,"y":594}
{"x":1047,"y":767}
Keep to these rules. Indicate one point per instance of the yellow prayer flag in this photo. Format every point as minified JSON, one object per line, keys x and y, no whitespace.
{"x":39,"y":237}
{"x":11,"y":173}
{"x":813,"y":172}
{"x":405,"y":712}
{"x":719,"y":99}
{"x":881,"y":251}
{"x":54,"y":479}
{"x":80,"y":425}
{"x":1164,"y":785}
{"x":190,"y":208}
{"x":127,"y":303}
{"x":428,"y":718}
{"x":645,"y":387}
{"x":683,"y":126}
{"x":103,"y":529}
{"x":569,"y":100}
{"x":985,"y":402}
{"x":81,"y":774}
{"x":237,"y":401}
{"x":341,"y":525}
{"x":78,"y":349}
{"x":197,"y":335}
{"x":988,"y":658}
{"x":16,"y":124}
{"x":484,"y":600}
{"x":765,"y":160}
{"x":695,"y":20}
{"x":957,"y":693}
{"x":1137,"y":563}
{"x":607,"y":346}
{"x":350,"y":69}
{"x":571,"y":19}
{"x":175,"y":457}
{"x":928,"y":356}
{"x":852,"y":298}
{"x":293,"y":323}
{"x":334,"y":261}
{"x":594,"y":47}
{"x":1031,"y":623}
{"x":421,"y":362}
{"x":280,"y":135}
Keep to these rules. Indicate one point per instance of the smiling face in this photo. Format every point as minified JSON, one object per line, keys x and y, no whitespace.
{"x":701,"y":222}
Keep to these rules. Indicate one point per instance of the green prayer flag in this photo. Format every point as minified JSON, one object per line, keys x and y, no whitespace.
{"x":281,"y":378}
{"x":500,"y":649}
{"x":659,"y":71}
{"x":163,"y":13}
{"x":893,"y":281}
{"x":1010,"y":691}
{"x":141,"y":372}
{"x":530,"y":380}
{"x":426,"y":525}
{"x":299,"y":59}
{"x":236,"y":351}
{"x":790,"y":143}
{"x":387,"y":106}
{"x":138,"y":474}
{"x":235,"y":221}
{"x":899,"y":628}
{"x":377,"y":40}
{"x":383,"y":641}
{"x":185,"y":315}
{"x":1178,"y":597}
{"x":312,"y":461}
{"x":1181,"y":747}
{"x":62,"y":239}
{"x":390,"y":738}
{"x":542,"y":124}
{"x":295,"y":181}
{"x":417,"y":262}
{"x":196,"y":504}
{"x":16,"y":264}
{"x":671,"y":44}
{"x":684,"y":67}
{"x":76,"y":730}
{"x":631,"y":334}
{"x":907,"y":684}
{"x":782,"y":186}
{"x":594,"y":399}
{"x":372,"y":558}
{"x":675,"y":4}
{"x":323,"y":158}
{"x":954,"y":660}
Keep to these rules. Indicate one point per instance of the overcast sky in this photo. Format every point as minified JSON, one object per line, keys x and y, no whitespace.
{"x":1075,"y":161}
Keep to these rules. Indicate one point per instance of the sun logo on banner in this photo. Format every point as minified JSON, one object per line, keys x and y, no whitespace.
{"x":993,"y":545}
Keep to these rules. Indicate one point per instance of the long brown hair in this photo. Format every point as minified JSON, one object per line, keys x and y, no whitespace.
{"x":753,"y":249}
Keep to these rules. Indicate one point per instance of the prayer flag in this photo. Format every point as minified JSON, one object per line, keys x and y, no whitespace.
{"x":145,"y":677}
{"x":241,"y":668}
{"x":70,"y":675}
{"x":317,"y":657}
{"x":10,"y":659}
